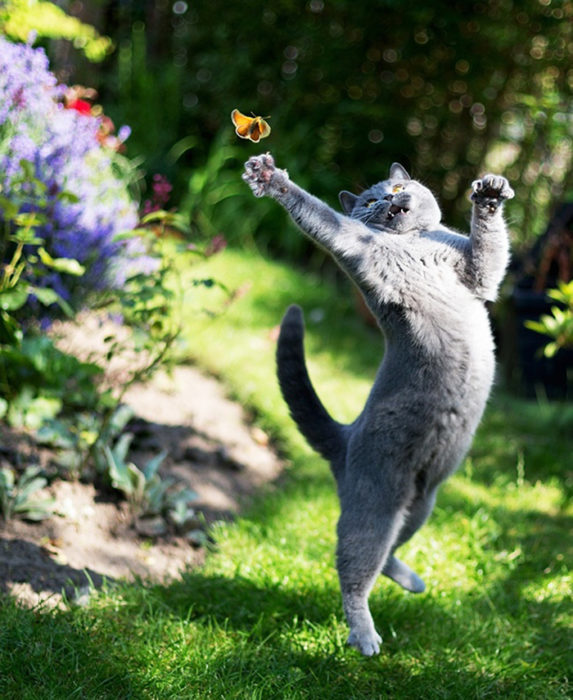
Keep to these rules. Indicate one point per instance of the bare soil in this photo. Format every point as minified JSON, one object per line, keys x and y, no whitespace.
{"x":212,"y":447}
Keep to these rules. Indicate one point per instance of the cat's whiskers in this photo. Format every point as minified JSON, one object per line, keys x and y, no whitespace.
{"x":374,"y":213}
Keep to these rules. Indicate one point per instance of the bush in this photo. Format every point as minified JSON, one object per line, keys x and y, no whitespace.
{"x":56,"y":160}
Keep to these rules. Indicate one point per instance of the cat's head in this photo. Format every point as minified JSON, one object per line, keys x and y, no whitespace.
{"x":398,"y":204}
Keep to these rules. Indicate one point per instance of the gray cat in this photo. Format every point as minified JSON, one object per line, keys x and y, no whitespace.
{"x":426,"y":285}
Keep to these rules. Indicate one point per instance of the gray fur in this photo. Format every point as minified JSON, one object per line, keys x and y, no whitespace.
{"x":426,"y":285}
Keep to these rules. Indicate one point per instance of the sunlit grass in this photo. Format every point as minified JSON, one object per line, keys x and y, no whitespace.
{"x":263,"y":618}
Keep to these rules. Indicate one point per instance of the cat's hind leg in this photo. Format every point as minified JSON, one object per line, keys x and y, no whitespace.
{"x":403,"y":575}
{"x":394,"y":568}
{"x":365,"y":540}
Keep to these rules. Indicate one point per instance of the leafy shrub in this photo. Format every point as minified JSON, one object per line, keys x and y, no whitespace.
{"x":71,"y":236}
{"x":39,"y":381}
{"x":62,"y":201}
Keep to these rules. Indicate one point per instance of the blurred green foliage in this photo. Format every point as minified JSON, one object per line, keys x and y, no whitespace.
{"x":559,"y":324}
{"x":450,"y":89}
{"x":21,"y":18}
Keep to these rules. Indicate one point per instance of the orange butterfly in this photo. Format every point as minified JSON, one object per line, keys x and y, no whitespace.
{"x":252,"y":128}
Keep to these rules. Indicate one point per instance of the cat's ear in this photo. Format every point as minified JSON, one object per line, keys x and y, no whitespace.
{"x":347,"y":201}
{"x":398,"y":172}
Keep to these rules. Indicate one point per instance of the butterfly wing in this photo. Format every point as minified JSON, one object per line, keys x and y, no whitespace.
{"x":242,"y":123}
{"x":259,"y":129}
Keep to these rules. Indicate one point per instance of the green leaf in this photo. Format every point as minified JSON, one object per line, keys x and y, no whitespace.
{"x":69,"y":266}
{"x":150,"y":469}
{"x":28,"y":219}
{"x":121,"y":448}
{"x":41,"y":409}
{"x":68,"y":197}
{"x":118,"y":473}
{"x":28,"y":488}
{"x":38,"y":510}
{"x":137,"y":483}
{"x":56,"y":434}
{"x":14,"y":298}
{"x":10,"y":331}
{"x":6,"y":479}
{"x":9,"y":209}
{"x":45,"y":296}
{"x":121,"y":417}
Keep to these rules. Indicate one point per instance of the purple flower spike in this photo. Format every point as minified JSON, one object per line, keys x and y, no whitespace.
{"x":53,"y":161}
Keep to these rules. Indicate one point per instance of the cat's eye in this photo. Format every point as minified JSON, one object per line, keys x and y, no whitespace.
{"x":370,"y":202}
{"x":397,"y":188}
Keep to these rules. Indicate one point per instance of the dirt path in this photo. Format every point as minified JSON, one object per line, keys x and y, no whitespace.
{"x":211,"y":447}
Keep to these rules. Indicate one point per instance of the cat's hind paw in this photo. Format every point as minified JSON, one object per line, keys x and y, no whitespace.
{"x":260,"y":174}
{"x":403,"y":575}
{"x":491,"y":191}
{"x":368,"y":643}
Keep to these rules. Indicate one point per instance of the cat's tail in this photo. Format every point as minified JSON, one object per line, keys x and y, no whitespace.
{"x":321,"y":431}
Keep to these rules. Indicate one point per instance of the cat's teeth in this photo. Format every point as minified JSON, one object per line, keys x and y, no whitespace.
{"x":395,"y":209}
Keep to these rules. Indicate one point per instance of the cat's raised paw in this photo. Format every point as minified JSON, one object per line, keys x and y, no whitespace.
{"x":491,"y":191}
{"x":259,"y":171}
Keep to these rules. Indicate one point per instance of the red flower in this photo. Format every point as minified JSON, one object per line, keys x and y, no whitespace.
{"x":80,"y":106}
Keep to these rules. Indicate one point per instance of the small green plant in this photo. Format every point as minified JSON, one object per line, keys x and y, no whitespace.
{"x":559,"y":324}
{"x":27,"y":251}
{"x":17,"y":497}
{"x":147,"y":493}
{"x":39,"y":381}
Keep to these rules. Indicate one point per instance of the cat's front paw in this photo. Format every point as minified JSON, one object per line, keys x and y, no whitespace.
{"x":262,"y":176}
{"x":491,"y":191}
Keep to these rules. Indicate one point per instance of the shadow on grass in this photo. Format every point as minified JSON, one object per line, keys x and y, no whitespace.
{"x":520,"y":439}
{"x":53,"y":656}
{"x":540,"y":542}
{"x":288,"y":643}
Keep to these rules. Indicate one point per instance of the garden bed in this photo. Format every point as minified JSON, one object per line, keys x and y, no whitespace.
{"x":211,"y":447}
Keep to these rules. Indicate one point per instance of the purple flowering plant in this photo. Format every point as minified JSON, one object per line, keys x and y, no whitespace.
{"x":71,"y":236}
{"x":54,"y":163}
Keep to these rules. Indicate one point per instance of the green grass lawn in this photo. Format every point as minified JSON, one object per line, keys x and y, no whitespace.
{"x":263,"y":618}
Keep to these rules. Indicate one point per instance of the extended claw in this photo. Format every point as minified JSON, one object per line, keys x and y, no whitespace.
{"x":491,"y":187}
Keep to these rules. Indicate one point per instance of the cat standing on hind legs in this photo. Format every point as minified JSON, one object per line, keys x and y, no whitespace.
{"x":427,"y":286}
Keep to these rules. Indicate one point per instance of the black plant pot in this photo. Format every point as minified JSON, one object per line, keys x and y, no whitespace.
{"x":539,"y":375}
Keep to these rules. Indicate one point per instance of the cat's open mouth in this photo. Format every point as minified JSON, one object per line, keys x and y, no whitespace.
{"x":395,"y":209}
